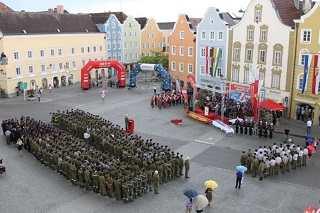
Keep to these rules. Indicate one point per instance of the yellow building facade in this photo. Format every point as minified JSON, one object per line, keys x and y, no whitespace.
{"x":151,"y":38}
{"x":48,"y":59}
{"x":306,"y":105}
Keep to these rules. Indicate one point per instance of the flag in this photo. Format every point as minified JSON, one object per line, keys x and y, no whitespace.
{"x":254,"y":89}
{"x":207,"y":59}
{"x":315,"y":79}
{"x":217,"y":55}
{"x":213,"y":59}
{"x":305,"y":72}
{"x":178,"y":89}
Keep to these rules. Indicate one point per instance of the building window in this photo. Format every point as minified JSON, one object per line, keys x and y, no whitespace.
{"x":148,"y":45}
{"x":119,"y":57}
{"x":73,"y":64}
{"x":263,"y":35}
{"x":277,"y":58}
{"x":113,"y":25}
{"x":246,"y":76}
{"x":52,"y":52}
{"x":300,"y":82}
{"x":261,"y":75}
{"x":59,"y":51}
{"x":67,"y":65}
{"x":181,"y":66}
{"x":119,"y":34}
{"x":43,"y":68}
{"x":153,"y":35}
{"x":137,"y":56}
{"x":114,"y":35}
{"x":29,"y":53}
{"x":109,"y":45}
{"x":41,"y":53}
{"x":182,"y":51}
{"x":53,"y":66}
{"x":30,"y":69}
{"x":235,"y":74}
{"x":190,"y":68}
{"x":82,"y":49}
{"x":83,"y":62}
{"x":173,"y":66}
{"x":18,"y":70}
{"x":94,"y":49}
{"x":88,"y":48}
{"x":248,"y":55}
{"x":257,"y":17}
{"x":16,"y":55}
{"x":262,"y":56}
{"x":220,"y":36}
{"x":202,"y":70}
{"x":181,"y":34}
{"x":219,"y":71}
{"x":108,"y":35}
{"x":203,"y":35}
{"x":203,"y":53}
{"x":152,"y":45}
{"x":250,"y":35}
{"x":173,"y":50}
{"x":306,"y":36}
{"x":72,"y":50}
{"x":114,"y":56}
{"x":211,"y":35}
{"x":190,"y":51}
{"x":303,"y":59}
{"x":275,"y":80}
{"x":119,"y":45}
{"x":236,"y":54}
{"x":113,"y":45}
{"x":136,"y":45}
{"x":60,"y":66}
{"x":100,"y":48}
{"x":151,"y":27}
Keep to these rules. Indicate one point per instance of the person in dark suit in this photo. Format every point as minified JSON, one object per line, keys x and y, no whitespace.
{"x":239,"y":176}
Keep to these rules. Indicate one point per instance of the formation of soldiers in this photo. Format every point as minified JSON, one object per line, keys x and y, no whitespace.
{"x":267,"y":162}
{"x":110,"y":161}
{"x":166,"y":99}
{"x":263,"y":129}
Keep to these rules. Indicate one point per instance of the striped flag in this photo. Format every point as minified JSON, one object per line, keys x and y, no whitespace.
{"x":315,"y":79}
{"x":305,"y":72}
{"x":217,"y":54}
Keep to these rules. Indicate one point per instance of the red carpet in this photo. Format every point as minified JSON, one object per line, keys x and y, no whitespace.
{"x":211,"y":115}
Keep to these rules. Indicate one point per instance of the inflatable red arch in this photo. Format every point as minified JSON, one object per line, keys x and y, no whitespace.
{"x":96,"y":64}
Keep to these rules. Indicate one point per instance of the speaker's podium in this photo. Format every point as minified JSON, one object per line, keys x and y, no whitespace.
{"x":130,"y":126}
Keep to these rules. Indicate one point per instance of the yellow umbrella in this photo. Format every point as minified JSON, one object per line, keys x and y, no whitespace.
{"x":211,"y":184}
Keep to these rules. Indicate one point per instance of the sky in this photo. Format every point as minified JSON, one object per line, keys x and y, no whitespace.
{"x":161,"y":10}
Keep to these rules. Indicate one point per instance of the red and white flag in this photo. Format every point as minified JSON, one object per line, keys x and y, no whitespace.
{"x":315,"y":79}
{"x":207,"y":59}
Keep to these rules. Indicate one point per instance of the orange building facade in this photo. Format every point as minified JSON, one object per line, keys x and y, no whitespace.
{"x":182,"y":47}
{"x":151,"y":38}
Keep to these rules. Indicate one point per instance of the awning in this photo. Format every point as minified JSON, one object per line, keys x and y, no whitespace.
{"x":272,"y":105}
{"x":304,"y":101}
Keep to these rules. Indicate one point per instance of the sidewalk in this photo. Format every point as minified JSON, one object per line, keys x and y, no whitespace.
{"x":297,"y":128}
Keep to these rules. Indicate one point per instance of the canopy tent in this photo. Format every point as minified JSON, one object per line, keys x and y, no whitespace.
{"x":272,"y":105}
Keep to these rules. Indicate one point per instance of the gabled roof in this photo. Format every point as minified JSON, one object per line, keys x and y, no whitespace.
{"x":166,"y":25}
{"x":142,"y":21}
{"x":229,"y":19}
{"x":45,"y":23}
{"x":101,"y":18}
{"x":5,"y":8}
{"x":287,"y":12}
{"x":194,"y":23}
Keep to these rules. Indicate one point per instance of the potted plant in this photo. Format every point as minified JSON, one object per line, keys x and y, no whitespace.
{"x":30,"y":94}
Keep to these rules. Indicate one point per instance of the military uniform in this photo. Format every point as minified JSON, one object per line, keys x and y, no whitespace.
{"x":186,"y":167}
{"x":102,"y":182}
{"x":156,"y":181}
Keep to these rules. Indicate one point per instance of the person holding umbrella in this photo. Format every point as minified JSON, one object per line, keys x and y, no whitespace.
{"x":189,"y":205}
{"x":210,"y":184}
{"x":190,"y":193}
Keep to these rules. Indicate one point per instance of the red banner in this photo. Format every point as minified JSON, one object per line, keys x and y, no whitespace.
{"x":315,"y":73}
{"x":255,"y":98}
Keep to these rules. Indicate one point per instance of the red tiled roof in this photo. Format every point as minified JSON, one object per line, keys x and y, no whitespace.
{"x":287,"y":12}
{"x":5,"y":8}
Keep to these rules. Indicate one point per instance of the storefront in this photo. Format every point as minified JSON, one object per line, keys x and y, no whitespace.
{"x":309,"y":103}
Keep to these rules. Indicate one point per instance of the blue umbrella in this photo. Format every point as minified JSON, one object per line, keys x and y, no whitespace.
{"x":310,"y":141}
{"x":190,"y":193}
{"x":241,"y":168}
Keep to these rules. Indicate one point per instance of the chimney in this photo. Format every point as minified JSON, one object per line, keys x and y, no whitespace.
{"x":60,"y":9}
{"x":307,"y":5}
{"x":50,"y":10}
{"x":23,"y":11}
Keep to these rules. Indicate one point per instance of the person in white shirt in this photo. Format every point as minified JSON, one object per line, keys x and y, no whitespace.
{"x":272,"y":166}
{"x":267,"y":162}
{"x":295,"y":159}
{"x":189,"y":204}
{"x":304,"y":158}
{"x":298,"y":149}
{"x":7,"y":133}
{"x":284,"y":163}
{"x":278,"y":163}
{"x":300,"y":156}
{"x":309,"y":124}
